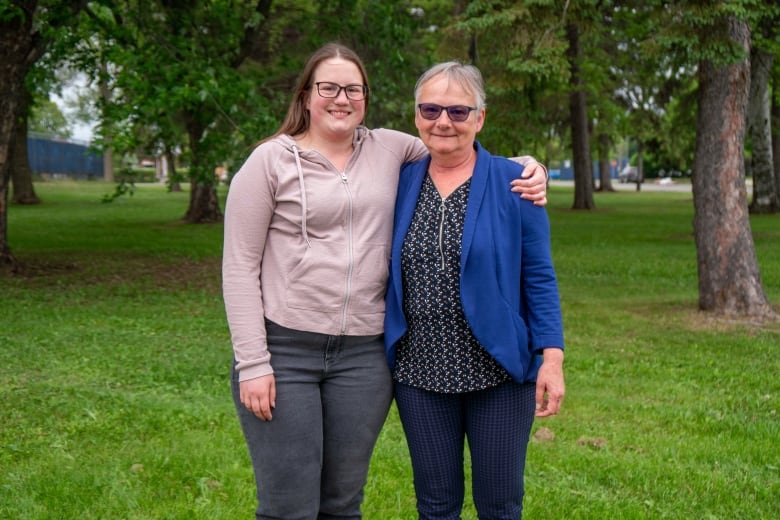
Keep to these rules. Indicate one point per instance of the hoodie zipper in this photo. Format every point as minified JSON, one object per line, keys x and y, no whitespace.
{"x":350,"y":254}
{"x":350,"y":237}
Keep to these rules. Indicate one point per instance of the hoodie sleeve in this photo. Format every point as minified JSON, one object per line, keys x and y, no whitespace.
{"x":248,"y":213}
{"x":407,"y":147}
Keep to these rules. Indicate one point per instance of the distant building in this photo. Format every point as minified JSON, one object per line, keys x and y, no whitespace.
{"x":63,"y":158}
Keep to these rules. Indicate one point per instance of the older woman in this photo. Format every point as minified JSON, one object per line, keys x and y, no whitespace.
{"x":473,"y":327}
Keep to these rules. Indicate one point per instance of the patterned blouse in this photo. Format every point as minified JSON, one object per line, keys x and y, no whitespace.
{"x":439,"y":352}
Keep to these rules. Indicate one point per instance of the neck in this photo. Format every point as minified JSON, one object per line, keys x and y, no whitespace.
{"x":324,"y":144}
{"x":453,"y":163}
{"x":337,"y":152}
{"x":447,"y":173}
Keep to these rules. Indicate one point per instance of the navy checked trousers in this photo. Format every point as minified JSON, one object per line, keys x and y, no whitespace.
{"x":496,"y":422}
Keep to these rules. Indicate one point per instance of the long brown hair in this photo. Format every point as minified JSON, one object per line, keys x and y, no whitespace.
{"x":297,"y":119}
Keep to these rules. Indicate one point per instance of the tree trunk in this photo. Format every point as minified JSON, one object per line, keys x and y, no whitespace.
{"x":108,"y":160}
{"x":17,"y":44}
{"x":729,"y":279}
{"x":605,"y":180}
{"x":583,"y":176}
{"x":775,"y":125}
{"x":108,"y":151}
{"x":20,"y":47}
{"x":173,"y":177}
{"x":760,"y":132}
{"x":473,"y":55}
{"x":204,"y":203}
{"x":21,"y":175}
{"x":640,"y":164}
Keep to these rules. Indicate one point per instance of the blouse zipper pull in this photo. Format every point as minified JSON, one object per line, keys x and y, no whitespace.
{"x":442,"y":210}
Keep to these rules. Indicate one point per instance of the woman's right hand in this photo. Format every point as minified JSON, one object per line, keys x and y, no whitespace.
{"x":259,"y":396}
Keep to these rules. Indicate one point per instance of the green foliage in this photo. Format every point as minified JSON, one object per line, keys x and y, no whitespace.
{"x":10,"y":11}
{"x":173,"y":71}
{"x":686,"y":28}
{"x":521,"y":53}
{"x":391,"y":40}
{"x":181,"y":77}
{"x":676,"y":150}
{"x":172,"y":74}
{"x":125,"y":186}
{"x":47,"y":118}
{"x":115,"y":364}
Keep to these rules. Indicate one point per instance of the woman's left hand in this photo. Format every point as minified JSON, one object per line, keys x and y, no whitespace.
{"x":550,"y":387}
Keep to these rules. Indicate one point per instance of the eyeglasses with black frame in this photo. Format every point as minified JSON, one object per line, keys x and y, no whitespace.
{"x":456,"y":113}
{"x":327,"y":89}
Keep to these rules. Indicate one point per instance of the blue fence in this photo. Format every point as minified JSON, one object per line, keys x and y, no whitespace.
{"x":566,"y":172}
{"x":58,"y":158}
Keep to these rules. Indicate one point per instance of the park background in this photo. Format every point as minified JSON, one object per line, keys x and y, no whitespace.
{"x":114,"y":351}
{"x":115,"y":359}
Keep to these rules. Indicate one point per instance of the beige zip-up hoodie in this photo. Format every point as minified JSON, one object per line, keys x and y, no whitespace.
{"x":306,"y":245}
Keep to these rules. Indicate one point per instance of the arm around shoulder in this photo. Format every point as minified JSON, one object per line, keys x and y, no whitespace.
{"x":532,"y":185}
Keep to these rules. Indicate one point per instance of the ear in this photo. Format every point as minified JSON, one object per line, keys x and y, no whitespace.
{"x":481,"y":116}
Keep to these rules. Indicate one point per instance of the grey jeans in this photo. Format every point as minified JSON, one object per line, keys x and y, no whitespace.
{"x":332,"y":397}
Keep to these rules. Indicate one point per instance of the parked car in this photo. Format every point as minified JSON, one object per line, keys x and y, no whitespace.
{"x":628,"y":174}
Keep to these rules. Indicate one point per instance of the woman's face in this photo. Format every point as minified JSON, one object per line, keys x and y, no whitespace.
{"x":443,"y":135}
{"x":336,"y":116}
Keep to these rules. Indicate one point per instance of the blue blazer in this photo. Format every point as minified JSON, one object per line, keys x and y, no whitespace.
{"x":508,"y":287}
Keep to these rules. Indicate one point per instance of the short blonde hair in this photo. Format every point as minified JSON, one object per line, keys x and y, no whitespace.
{"x":467,"y":76}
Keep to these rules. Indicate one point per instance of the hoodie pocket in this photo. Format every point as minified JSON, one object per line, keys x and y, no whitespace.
{"x":370,"y":279}
{"x":318,"y":279}
{"x":322,"y":281}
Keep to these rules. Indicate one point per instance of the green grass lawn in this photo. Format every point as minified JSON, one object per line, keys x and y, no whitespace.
{"x":115,"y":354}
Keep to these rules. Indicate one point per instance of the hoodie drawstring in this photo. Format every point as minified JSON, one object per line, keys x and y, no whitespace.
{"x":303,"y":195}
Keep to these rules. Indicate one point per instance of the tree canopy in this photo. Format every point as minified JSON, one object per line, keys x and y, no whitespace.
{"x":206,"y":80}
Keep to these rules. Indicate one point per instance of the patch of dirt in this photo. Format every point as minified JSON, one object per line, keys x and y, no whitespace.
{"x":690,"y":317}
{"x":170,"y":273}
{"x":592,"y":442}
{"x":544,"y":434}
{"x":699,"y":320}
{"x":38,"y":267}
